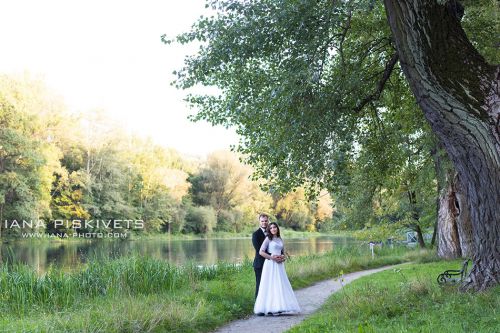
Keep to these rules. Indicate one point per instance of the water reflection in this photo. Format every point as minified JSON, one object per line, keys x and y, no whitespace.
{"x":69,"y":255}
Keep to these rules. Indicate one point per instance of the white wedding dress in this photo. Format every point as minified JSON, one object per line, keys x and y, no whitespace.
{"x":275,"y":292}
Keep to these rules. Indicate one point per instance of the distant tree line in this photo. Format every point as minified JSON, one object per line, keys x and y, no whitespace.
{"x":60,"y":166}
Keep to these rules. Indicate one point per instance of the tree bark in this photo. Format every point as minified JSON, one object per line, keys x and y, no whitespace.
{"x":463,"y":221}
{"x":453,"y":227}
{"x":454,"y":224}
{"x":459,"y":94}
{"x":439,"y":172}
{"x":449,"y":239}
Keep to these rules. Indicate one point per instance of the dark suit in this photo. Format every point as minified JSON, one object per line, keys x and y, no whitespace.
{"x":258,"y":238}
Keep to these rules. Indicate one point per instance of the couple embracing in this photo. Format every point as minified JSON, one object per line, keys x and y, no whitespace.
{"x":273,"y":292}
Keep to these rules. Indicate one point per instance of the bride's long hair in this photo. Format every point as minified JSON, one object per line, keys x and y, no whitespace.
{"x":268,"y":230}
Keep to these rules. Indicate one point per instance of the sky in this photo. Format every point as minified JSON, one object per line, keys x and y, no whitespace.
{"x":108,"y":54}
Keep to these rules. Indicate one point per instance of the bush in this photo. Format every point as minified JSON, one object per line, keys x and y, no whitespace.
{"x":177,"y":220}
{"x":200,"y":219}
{"x":225,"y":221}
{"x":299,"y":220}
{"x":230,"y":221}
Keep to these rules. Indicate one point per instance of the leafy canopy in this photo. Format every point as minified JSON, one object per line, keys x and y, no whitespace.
{"x":293,"y":77}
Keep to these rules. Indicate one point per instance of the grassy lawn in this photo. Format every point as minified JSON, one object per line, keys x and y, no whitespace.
{"x":148,"y":295}
{"x":138,"y":294}
{"x":407,"y":299}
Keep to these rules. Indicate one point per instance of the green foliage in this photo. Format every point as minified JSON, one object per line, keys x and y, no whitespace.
{"x":177,"y":219}
{"x":315,"y":91}
{"x":200,"y":219}
{"x":481,"y":22}
{"x":393,"y":177}
{"x":105,"y":174}
{"x":67,"y":195}
{"x":294,"y":91}
{"x":21,"y":161}
{"x":299,"y":220}
{"x":295,"y":210}
{"x":49,"y":172}
{"x":224,"y":184}
{"x":283,"y":85}
{"x":229,"y":221}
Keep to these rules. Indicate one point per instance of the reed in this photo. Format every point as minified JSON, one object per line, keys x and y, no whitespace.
{"x":21,"y":288}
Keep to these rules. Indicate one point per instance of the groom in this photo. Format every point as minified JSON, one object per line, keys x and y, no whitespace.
{"x":257,"y":239}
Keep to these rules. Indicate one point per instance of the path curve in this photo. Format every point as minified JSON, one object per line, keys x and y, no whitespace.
{"x":310,"y":299}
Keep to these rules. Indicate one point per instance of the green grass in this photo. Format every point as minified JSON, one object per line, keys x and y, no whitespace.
{"x":407,"y":299}
{"x":139,"y":294}
{"x":125,"y":295}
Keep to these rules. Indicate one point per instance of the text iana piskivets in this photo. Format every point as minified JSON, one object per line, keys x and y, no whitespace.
{"x":75,"y":224}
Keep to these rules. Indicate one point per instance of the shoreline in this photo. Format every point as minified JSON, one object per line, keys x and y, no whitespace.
{"x":292,"y":234}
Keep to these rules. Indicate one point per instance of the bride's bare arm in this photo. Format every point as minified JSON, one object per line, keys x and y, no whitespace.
{"x":263,"y":248}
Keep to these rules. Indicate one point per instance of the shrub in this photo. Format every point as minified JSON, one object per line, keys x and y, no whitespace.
{"x":200,"y":219}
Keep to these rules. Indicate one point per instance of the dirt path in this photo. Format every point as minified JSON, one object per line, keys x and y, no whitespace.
{"x":310,"y":299}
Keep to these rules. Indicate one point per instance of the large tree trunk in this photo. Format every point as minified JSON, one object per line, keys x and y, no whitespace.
{"x":448,"y":239}
{"x":464,"y":222}
{"x":453,"y":227}
{"x":459,"y":94}
{"x":449,"y":246}
{"x":440,"y":179}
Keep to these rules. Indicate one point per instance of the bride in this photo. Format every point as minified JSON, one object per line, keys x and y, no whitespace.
{"x":275,"y":292}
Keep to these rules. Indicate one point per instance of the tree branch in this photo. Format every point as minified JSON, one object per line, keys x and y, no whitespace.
{"x":389,"y":67}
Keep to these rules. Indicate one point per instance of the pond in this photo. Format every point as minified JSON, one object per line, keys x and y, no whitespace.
{"x":71,"y":254}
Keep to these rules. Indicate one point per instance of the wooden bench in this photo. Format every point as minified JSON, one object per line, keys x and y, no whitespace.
{"x":451,"y":275}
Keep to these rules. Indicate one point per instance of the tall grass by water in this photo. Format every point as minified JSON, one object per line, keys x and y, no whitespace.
{"x":139,"y":294}
{"x":21,"y":288}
